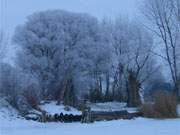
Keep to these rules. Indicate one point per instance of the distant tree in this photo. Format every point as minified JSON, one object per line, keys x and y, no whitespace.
{"x":9,"y":83}
{"x":3,"y":45}
{"x":120,"y":44}
{"x":15,"y":88}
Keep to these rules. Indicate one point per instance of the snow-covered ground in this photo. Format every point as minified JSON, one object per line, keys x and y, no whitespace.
{"x":11,"y":125}
{"x":52,"y":108}
{"x":111,"y":106}
{"x":138,"y":126}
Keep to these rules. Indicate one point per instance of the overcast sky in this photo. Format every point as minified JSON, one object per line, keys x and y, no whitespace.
{"x":14,"y":12}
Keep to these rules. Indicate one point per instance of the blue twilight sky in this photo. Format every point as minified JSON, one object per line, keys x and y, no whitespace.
{"x":14,"y":12}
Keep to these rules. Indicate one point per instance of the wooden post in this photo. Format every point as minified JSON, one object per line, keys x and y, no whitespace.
{"x":86,"y":113}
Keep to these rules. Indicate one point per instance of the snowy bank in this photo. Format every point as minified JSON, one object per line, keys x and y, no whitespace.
{"x":138,"y":126}
{"x":52,"y":108}
{"x":111,"y":107}
{"x":11,"y":125}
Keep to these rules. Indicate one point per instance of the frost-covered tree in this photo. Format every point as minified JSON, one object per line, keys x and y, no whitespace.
{"x":120,"y":43}
{"x":140,"y":67}
{"x":132,"y":46}
{"x":71,"y":54}
{"x":58,"y":47}
{"x":15,"y":88}
{"x":3,"y":45}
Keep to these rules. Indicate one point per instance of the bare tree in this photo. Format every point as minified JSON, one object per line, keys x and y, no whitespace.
{"x":120,"y":43}
{"x":139,"y":67}
{"x":131,"y":45}
{"x":164,"y":15}
{"x":176,"y":7}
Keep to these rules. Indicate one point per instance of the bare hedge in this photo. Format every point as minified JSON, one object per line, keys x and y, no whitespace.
{"x":164,"y":106}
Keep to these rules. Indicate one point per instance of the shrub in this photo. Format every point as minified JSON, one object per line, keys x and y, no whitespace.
{"x":22,"y":105}
{"x":164,"y":106}
{"x":32,"y":96}
{"x":147,"y":110}
{"x":95,"y":95}
{"x":31,"y":99}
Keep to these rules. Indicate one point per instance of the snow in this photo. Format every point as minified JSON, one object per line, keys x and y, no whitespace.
{"x":112,"y":106}
{"x":35,"y":112}
{"x":32,"y":116}
{"x":6,"y":111}
{"x":138,"y":126}
{"x":11,"y":125}
{"x":52,"y":108}
{"x":108,"y":106}
{"x":131,"y":109}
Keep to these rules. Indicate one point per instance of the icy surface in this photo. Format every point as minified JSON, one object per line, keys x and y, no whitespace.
{"x":52,"y":108}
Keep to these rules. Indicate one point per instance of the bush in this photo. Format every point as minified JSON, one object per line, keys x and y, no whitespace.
{"x":94,"y":96}
{"x":31,"y":98}
{"x":22,"y":105}
{"x":164,"y":106}
{"x":147,"y":110}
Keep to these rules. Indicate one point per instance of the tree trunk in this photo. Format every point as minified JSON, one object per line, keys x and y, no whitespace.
{"x":133,"y":91}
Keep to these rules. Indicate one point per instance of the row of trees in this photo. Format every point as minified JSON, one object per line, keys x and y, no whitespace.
{"x":63,"y":56}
